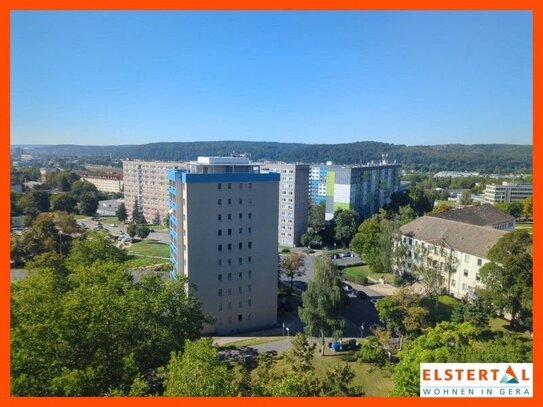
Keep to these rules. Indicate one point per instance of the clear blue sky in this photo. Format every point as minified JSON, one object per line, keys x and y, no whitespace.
{"x":313,"y":77}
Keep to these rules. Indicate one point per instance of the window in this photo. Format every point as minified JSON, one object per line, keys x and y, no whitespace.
{"x":219,"y":232}
{"x":464,"y":287}
{"x":240,"y":201}
{"x":229,"y":246}
{"x":466,"y":273}
{"x":240,"y":275}
{"x":250,"y":185}
{"x":229,"y":291}
{"x":477,"y":277}
{"x":219,"y":202}
{"x":220,"y":262}
{"x":220,"y":292}
{"x":240,"y":245}
{"x":229,"y":261}
{"x":466,"y":258}
{"x":220,"y":277}
{"x":220,"y":307}
{"x":250,"y":229}
{"x":249,"y":302}
{"x":453,"y":283}
{"x":229,"y":232}
{"x":479,"y":262}
{"x":240,"y":216}
{"x":240,"y":290}
{"x":219,"y":217}
{"x":240,"y":231}
{"x":229,"y":307}
{"x":219,"y":186}
{"x":229,"y":216}
{"x":249,"y":288}
{"x":249,"y":259}
{"x":250,"y":215}
{"x":219,"y":247}
{"x":229,"y":186}
{"x":229,"y":276}
{"x":240,"y":317}
{"x":240,"y":260}
{"x":250,"y":245}
{"x":229,"y":201}
{"x":249,"y":274}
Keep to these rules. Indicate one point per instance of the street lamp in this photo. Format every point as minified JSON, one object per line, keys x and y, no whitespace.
{"x":288,"y":331}
{"x":362,"y":330}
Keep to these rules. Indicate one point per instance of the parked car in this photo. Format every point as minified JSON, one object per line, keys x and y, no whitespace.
{"x":343,"y":345}
{"x":347,"y":288}
{"x":348,"y":254}
{"x":113,"y":225}
{"x":362,"y":295}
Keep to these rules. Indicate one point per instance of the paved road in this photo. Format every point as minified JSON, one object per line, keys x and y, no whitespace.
{"x":159,"y":235}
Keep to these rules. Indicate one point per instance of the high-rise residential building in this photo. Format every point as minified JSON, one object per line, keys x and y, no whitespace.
{"x":508,"y":192}
{"x":223,"y":223}
{"x":293,"y":201}
{"x":147,"y":181}
{"x":364,"y":189}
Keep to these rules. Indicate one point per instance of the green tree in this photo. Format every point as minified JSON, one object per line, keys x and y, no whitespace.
{"x":338,"y":382}
{"x":372,"y":351}
{"x":137,"y":214}
{"x":528,"y":207}
{"x":310,"y":238}
{"x":466,"y":198}
{"x":142,"y":231}
{"x":88,"y":204}
{"x":477,"y":313}
{"x":440,"y":208}
{"x":131,"y":229}
{"x":63,"y":202}
{"x":63,"y":180}
{"x":514,"y":209}
{"x":323,"y":301}
{"x":293,"y":265}
{"x":300,"y":355}
{"x":121,"y":213}
{"x":406,"y":214}
{"x":346,"y":222}
{"x":95,"y":247}
{"x":420,"y":201}
{"x":79,"y":188}
{"x":402,"y":314}
{"x":508,"y":277}
{"x":198,"y":372}
{"x":34,"y":202}
{"x":366,"y":241}
{"x":316,"y":217}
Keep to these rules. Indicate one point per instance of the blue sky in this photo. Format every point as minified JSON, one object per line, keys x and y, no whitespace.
{"x":313,"y":77}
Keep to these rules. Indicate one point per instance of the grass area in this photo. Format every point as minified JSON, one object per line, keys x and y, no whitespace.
{"x":356,"y":274}
{"x":140,"y":261}
{"x":253,"y":341}
{"x":373,"y":380}
{"x":502,"y":325}
{"x":77,"y":217}
{"x":444,"y":310}
{"x":110,"y":220}
{"x":157,"y":227}
{"x":151,"y":248}
{"x":525,"y":225}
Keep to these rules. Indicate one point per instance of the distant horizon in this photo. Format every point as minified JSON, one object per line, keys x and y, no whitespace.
{"x":402,"y":77}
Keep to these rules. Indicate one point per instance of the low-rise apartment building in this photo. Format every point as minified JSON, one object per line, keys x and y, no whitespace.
{"x":458,"y":249}
{"x":481,"y":215}
{"x":105,"y":182}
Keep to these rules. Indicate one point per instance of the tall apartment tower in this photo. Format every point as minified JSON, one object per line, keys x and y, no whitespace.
{"x":223,"y":218}
{"x":365,"y":188}
{"x":293,"y":201}
{"x":147,"y":181}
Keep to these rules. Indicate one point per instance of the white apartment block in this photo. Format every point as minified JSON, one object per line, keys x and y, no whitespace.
{"x":458,"y":249}
{"x":508,"y":192}
{"x":223,"y":223}
{"x":147,"y":181}
{"x":105,"y":183}
{"x":293,"y":201}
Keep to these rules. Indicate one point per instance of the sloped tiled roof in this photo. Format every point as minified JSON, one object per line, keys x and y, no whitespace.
{"x":482,"y":215}
{"x":463,"y":237}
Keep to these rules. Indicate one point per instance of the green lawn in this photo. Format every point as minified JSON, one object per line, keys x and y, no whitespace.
{"x":77,"y":217}
{"x":151,"y":248}
{"x":253,"y":341}
{"x":373,"y":380}
{"x":525,"y":225}
{"x":356,"y":274}
{"x":502,"y":325}
{"x":110,"y":220}
{"x":444,"y":310}
{"x":140,"y":261}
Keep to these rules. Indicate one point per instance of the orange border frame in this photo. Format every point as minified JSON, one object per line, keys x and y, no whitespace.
{"x":6,"y":6}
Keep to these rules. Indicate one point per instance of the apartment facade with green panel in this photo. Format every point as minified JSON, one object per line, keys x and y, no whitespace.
{"x":364,"y":189}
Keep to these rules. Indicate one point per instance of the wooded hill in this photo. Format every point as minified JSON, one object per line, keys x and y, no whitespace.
{"x":487,"y":158}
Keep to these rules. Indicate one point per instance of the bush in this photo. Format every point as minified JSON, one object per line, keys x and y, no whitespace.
{"x":372,"y":352}
{"x":398,"y":281}
{"x":285,"y":250}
